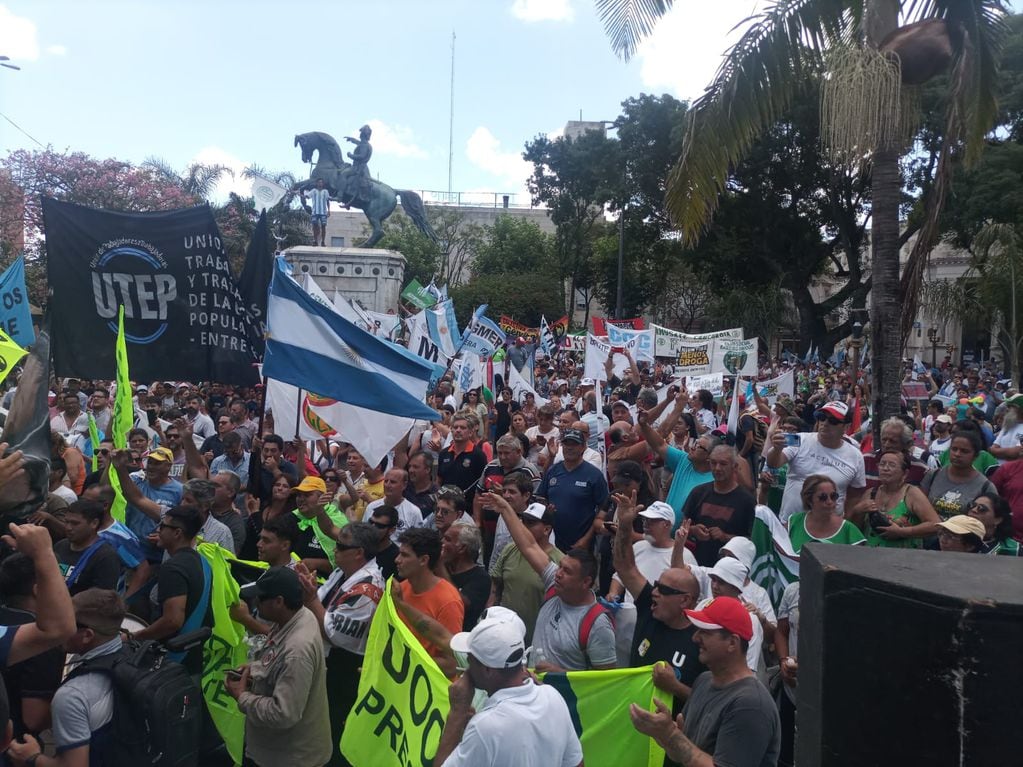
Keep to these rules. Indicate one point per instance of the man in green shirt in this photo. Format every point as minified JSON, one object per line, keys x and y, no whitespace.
{"x":318,"y":522}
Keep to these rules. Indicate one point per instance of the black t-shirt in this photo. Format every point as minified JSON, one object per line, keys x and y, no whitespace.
{"x":35,"y":678}
{"x":212,"y":445}
{"x":654,"y":641}
{"x":462,"y":470}
{"x":504,"y":412}
{"x":733,"y":512}
{"x":474,"y":586}
{"x":385,"y":560}
{"x":426,"y":500}
{"x":182,"y":575}
{"x":101,"y":570}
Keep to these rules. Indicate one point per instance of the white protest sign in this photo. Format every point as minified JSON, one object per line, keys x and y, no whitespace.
{"x":735,"y":357}
{"x":712,"y":382}
{"x":644,"y":341}
{"x":667,"y":341}
{"x":772,"y":387}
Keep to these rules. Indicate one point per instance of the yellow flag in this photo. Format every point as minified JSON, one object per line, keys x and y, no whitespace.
{"x":10,"y":355}
{"x":123,"y":417}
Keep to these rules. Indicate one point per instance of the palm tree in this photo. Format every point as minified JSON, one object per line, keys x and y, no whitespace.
{"x":199,"y":179}
{"x":864,"y":58}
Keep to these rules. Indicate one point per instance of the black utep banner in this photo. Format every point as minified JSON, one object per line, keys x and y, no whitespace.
{"x":184,"y":318}
{"x":255,"y":280}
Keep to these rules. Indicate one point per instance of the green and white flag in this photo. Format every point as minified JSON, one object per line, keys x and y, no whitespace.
{"x":776,"y":564}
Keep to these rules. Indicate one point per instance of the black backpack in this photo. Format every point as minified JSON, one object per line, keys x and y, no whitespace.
{"x":157,"y":712}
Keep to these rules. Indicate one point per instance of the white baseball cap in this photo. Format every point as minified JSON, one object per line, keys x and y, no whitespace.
{"x":731,"y":571}
{"x":494,"y":642}
{"x":539,"y":511}
{"x":659,"y":510}
{"x":587,"y":382}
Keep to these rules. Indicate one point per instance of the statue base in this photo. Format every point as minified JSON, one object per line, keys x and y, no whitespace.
{"x":372,"y":276}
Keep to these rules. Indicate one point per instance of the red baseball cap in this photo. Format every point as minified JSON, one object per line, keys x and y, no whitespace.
{"x":725,"y":613}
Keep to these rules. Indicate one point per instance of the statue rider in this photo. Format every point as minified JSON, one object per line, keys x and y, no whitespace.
{"x":357,"y":177}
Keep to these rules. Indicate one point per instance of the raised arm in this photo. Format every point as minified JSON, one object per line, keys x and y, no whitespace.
{"x":655,"y":440}
{"x":524,"y":540}
{"x":119,"y":460}
{"x":762,"y":407}
{"x":624,"y":557}
{"x":195,"y":466}
{"x":678,"y":557}
{"x":681,"y":400}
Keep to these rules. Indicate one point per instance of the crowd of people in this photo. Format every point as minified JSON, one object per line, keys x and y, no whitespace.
{"x":591,"y":524}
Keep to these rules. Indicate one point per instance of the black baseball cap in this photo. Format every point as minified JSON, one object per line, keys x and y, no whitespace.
{"x":573,"y":435}
{"x":275,"y":582}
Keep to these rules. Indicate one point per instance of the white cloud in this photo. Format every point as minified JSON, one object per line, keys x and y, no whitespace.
{"x":543,"y":10}
{"x":685,"y":49}
{"x":214,"y":155}
{"x":484,"y":151}
{"x":17,"y":36}
{"x":56,"y":50}
{"x":396,"y":140}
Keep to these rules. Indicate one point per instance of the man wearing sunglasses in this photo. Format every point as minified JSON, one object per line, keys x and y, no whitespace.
{"x":827,"y":452}
{"x":663,"y":635}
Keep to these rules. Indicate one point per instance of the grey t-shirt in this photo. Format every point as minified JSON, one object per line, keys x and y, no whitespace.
{"x":736,"y":724}
{"x":84,"y":704}
{"x":557,"y":632}
{"x":952,"y":498}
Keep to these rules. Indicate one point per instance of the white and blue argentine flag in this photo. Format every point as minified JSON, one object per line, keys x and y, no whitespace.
{"x":443,"y":327}
{"x":311,"y":346}
{"x":483,"y":336}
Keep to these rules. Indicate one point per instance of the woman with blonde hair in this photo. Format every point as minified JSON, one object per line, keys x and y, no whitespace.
{"x":820,"y":522}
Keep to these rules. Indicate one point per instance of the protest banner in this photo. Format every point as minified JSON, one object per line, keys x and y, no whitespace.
{"x":182,"y":308}
{"x":734,"y":356}
{"x":667,"y":341}
{"x":416,"y":295}
{"x":693,"y":358}
{"x":712,"y":382}
{"x":15,"y":316}
{"x":601,"y":324}
{"x":574,"y":342}
{"x":644,"y":341}
{"x":513,"y":328}
{"x":772,"y":387}
{"x":402,"y":705}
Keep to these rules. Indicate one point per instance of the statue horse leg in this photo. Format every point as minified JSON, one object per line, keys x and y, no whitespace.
{"x":378,"y":208}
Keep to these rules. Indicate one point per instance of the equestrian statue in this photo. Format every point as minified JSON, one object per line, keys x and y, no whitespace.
{"x":351,"y":185}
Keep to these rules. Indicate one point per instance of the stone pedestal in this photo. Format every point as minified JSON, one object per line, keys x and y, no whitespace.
{"x":372,"y":276}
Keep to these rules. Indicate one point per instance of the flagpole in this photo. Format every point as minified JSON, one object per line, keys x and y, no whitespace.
{"x":262,"y":411}
{"x":298,"y":412}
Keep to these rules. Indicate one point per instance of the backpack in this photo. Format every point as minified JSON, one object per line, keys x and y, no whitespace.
{"x":759,"y":434}
{"x":586,"y":624}
{"x":157,"y":713}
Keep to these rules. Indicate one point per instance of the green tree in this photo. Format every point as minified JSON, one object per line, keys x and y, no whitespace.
{"x":866,"y":55}
{"x":987,"y":290}
{"x":514,"y":245}
{"x":523,"y":296}
{"x":446,"y":260}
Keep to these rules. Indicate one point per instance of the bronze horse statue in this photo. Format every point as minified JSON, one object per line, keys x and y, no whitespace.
{"x":377,"y":205}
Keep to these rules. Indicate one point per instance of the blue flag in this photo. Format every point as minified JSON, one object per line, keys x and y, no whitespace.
{"x":313,"y":347}
{"x":15,"y":317}
{"x":483,"y":337}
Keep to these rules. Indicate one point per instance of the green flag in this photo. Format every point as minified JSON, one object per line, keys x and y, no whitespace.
{"x":10,"y":355}
{"x":94,"y":441}
{"x":123,"y":417}
{"x":775,"y":565}
{"x":415,"y":294}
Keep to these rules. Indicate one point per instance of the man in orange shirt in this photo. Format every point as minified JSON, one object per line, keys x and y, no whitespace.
{"x":418,"y":552}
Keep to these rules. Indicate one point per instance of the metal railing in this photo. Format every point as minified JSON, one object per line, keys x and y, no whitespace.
{"x":474,"y":199}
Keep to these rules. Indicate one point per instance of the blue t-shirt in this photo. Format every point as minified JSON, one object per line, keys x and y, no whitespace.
{"x":576,"y":495}
{"x":684,"y":480}
{"x":167,"y":495}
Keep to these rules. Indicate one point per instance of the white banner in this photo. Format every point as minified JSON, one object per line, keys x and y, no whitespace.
{"x":574,"y":343}
{"x":735,"y":357}
{"x":693,"y":358}
{"x":712,"y":382}
{"x":420,"y":342}
{"x":266,"y":193}
{"x":644,"y":341}
{"x":667,"y":342}
{"x":772,"y":387}
{"x":520,"y":388}
{"x":596,"y":355}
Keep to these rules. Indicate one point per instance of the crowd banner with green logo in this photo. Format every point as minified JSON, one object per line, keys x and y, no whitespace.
{"x":668,"y":342}
{"x":415,"y":294}
{"x":224,"y":650}
{"x":402,"y":705}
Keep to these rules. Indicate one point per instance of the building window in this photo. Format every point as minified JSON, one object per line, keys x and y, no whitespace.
{"x":337,"y":242}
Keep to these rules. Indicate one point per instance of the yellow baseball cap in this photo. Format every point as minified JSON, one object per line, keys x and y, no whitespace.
{"x":309,"y":484}
{"x":161,"y":454}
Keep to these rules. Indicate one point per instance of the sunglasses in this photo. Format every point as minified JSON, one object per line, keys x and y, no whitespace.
{"x":330,"y":478}
{"x":982,"y":507}
{"x":830,"y":419}
{"x":164,"y":525}
{"x":827,"y":496}
{"x":104,"y":451}
{"x":381,"y":525}
{"x":347,"y":546}
{"x":668,"y":591}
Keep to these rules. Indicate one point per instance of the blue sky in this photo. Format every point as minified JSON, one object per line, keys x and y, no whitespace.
{"x":232,"y":82}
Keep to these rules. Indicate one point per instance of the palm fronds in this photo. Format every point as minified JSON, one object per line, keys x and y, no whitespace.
{"x":627,"y":22}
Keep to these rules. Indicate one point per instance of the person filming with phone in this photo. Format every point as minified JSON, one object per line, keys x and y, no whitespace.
{"x":826,"y":451}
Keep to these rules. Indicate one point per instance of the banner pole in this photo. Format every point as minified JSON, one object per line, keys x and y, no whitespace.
{"x":262,"y":412}
{"x":298,"y":412}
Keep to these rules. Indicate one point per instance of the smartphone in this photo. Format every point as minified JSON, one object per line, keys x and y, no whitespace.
{"x":234,"y":675}
{"x":151,"y":416}
{"x":792,"y":440}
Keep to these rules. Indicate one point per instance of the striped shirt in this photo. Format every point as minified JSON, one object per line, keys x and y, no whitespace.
{"x":320,"y":201}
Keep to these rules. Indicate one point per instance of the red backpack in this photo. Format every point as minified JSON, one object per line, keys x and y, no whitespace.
{"x":586,"y":625}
